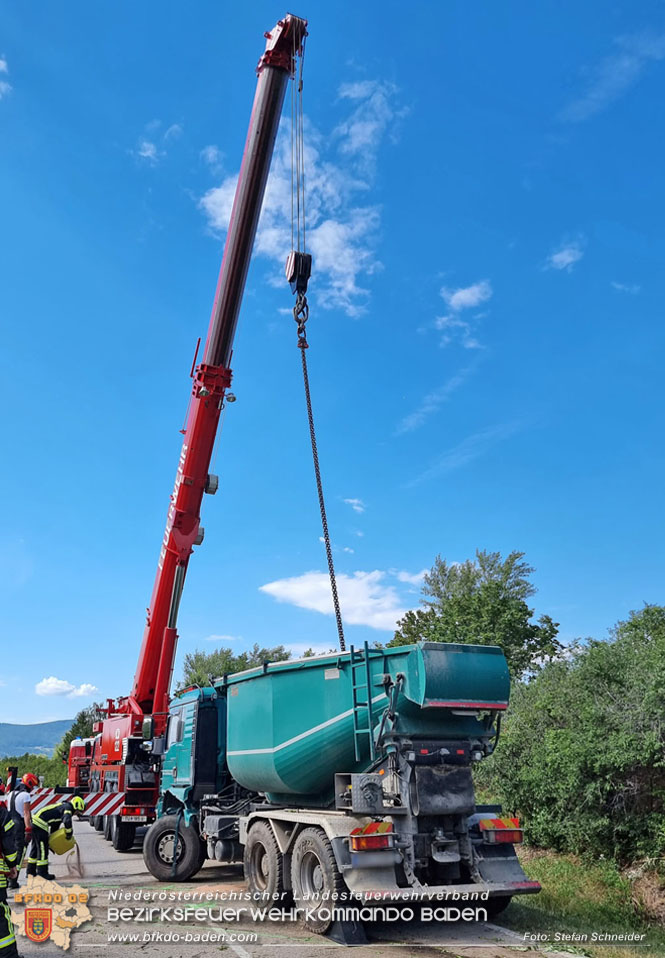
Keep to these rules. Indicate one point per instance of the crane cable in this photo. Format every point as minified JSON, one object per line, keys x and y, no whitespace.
{"x":298,"y":271}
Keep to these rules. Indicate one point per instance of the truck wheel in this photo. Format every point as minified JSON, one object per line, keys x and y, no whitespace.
{"x":263,"y":863}
{"x":159,"y":850}
{"x":122,"y":834}
{"x":98,"y":821}
{"x":107,"y":826}
{"x":314,"y":874}
{"x":494,"y":906}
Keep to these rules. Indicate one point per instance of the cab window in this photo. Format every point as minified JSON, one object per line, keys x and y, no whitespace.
{"x":176,"y":728}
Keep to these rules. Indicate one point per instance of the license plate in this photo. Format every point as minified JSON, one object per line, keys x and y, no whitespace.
{"x":134,"y":818}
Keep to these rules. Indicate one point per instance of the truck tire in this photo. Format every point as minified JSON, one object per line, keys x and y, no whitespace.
{"x":107,"y":826}
{"x":314,"y":872}
{"x":494,"y":906}
{"x":98,"y":822}
{"x":158,"y":850}
{"x":263,"y":862}
{"x":122,"y":834}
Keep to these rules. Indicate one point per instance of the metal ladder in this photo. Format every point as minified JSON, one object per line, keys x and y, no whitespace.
{"x":360,"y":684}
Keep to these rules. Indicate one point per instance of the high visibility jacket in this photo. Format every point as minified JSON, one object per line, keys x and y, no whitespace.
{"x":8,"y":849}
{"x":18,"y":818}
{"x":53,"y":816}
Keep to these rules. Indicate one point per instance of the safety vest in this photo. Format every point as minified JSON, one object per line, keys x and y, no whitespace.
{"x":52,"y":816}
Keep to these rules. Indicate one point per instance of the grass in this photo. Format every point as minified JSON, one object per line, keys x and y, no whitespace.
{"x":581,"y":898}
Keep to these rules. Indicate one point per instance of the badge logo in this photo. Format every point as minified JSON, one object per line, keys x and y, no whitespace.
{"x":38,"y":923}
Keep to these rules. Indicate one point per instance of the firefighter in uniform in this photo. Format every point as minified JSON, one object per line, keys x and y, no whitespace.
{"x":8,"y":855}
{"x":45,"y":821}
{"x":18,"y":804}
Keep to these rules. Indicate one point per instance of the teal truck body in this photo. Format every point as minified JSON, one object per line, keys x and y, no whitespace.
{"x":360,"y":761}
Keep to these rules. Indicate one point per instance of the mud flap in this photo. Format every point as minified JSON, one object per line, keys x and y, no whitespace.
{"x":498,"y":864}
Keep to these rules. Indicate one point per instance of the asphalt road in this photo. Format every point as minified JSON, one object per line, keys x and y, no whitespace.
{"x":108,"y":873}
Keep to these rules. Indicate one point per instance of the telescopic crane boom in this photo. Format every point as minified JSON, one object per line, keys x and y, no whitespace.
{"x":213,"y":376}
{"x":119,"y":761}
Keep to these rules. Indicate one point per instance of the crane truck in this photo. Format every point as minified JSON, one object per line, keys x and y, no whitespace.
{"x":122,"y":765}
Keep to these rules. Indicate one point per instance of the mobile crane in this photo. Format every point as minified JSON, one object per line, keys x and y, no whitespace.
{"x":124,"y":763}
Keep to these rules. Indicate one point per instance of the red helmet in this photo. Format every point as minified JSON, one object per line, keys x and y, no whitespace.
{"x":30,"y":780}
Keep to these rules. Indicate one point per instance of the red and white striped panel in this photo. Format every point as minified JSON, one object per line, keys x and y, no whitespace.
{"x":96,"y":803}
{"x":104,"y":803}
{"x":41,"y":797}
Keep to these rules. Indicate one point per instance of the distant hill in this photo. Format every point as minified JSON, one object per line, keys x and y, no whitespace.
{"x":38,"y":739}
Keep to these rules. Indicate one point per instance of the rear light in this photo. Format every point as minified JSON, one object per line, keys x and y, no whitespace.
{"x":513,"y":836}
{"x":498,"y":830}
{"x":370,"y":843}
{"x":372,"y":837}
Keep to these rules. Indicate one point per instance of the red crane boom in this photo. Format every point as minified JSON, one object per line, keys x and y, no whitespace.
{"x":121,"y":731}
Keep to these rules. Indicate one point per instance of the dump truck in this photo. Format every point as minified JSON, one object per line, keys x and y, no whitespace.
{"x":344,"y":774}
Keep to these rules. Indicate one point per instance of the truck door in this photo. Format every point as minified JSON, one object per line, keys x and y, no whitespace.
{"x":177,"y":768}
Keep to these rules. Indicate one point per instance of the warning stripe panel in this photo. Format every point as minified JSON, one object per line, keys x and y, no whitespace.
{"x":96,"y":803}
{"x":491,"y":824}
{"x":104,"y":803}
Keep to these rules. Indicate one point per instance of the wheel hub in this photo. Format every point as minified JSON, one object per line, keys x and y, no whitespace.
{"x":166,"y":847}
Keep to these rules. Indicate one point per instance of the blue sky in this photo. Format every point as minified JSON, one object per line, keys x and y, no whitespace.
{"x":486,"y":208}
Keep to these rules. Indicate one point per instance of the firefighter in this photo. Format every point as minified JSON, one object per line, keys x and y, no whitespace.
{"x":8,"y":855}
{"x":48,"y":820}
{"x":18,"y":804}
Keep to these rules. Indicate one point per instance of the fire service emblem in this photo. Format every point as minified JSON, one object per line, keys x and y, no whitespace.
{"x":38,"y":923}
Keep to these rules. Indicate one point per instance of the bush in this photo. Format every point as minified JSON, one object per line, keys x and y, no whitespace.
{"x":581,"y":755}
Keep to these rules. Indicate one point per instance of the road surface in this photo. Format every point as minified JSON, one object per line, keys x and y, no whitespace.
{"x":109,"y":874}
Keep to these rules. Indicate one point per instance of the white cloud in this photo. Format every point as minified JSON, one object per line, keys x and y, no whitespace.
{"x":349,"y":550}
{"x":467,"y":450}
{"x":457,"y":300}
{"x":364,"y":598}
{"x":565,"y":256}
{"x":373,"y":116}
{"x":5,"y":87}
{"x":223,"y":638}
{"x":615,"y":74}
{"x":147,"y":150}
{"x":342,"y":227}
{"x":633,"y":288}
{"x":212,"y":156}
{"x":151,"y":147}
{"x":54,"y":686}
{"x":466,"y":297}
{"x":433,"y":401}
{"x":173,"y":132}
{"x":356,"y":504}
{"x":413,"y":578}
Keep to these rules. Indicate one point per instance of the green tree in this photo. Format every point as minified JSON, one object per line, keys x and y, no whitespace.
{"x":81,"y":728}
{"x":483,"y":602}
{"x":200,"y":667}
{"x":53,"y":770}
{"x":582,"y":752}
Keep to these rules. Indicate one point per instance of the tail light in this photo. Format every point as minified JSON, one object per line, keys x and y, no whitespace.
{"x":369,"y":843}
{"x":372,"y":837}
{"x":501,"y":830}
{"x":514,"y":836}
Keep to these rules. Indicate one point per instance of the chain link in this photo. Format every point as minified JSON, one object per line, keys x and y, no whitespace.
{"x":301,"y":315}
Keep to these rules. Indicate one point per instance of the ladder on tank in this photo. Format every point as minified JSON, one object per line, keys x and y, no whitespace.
{"x":360,"y":687}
